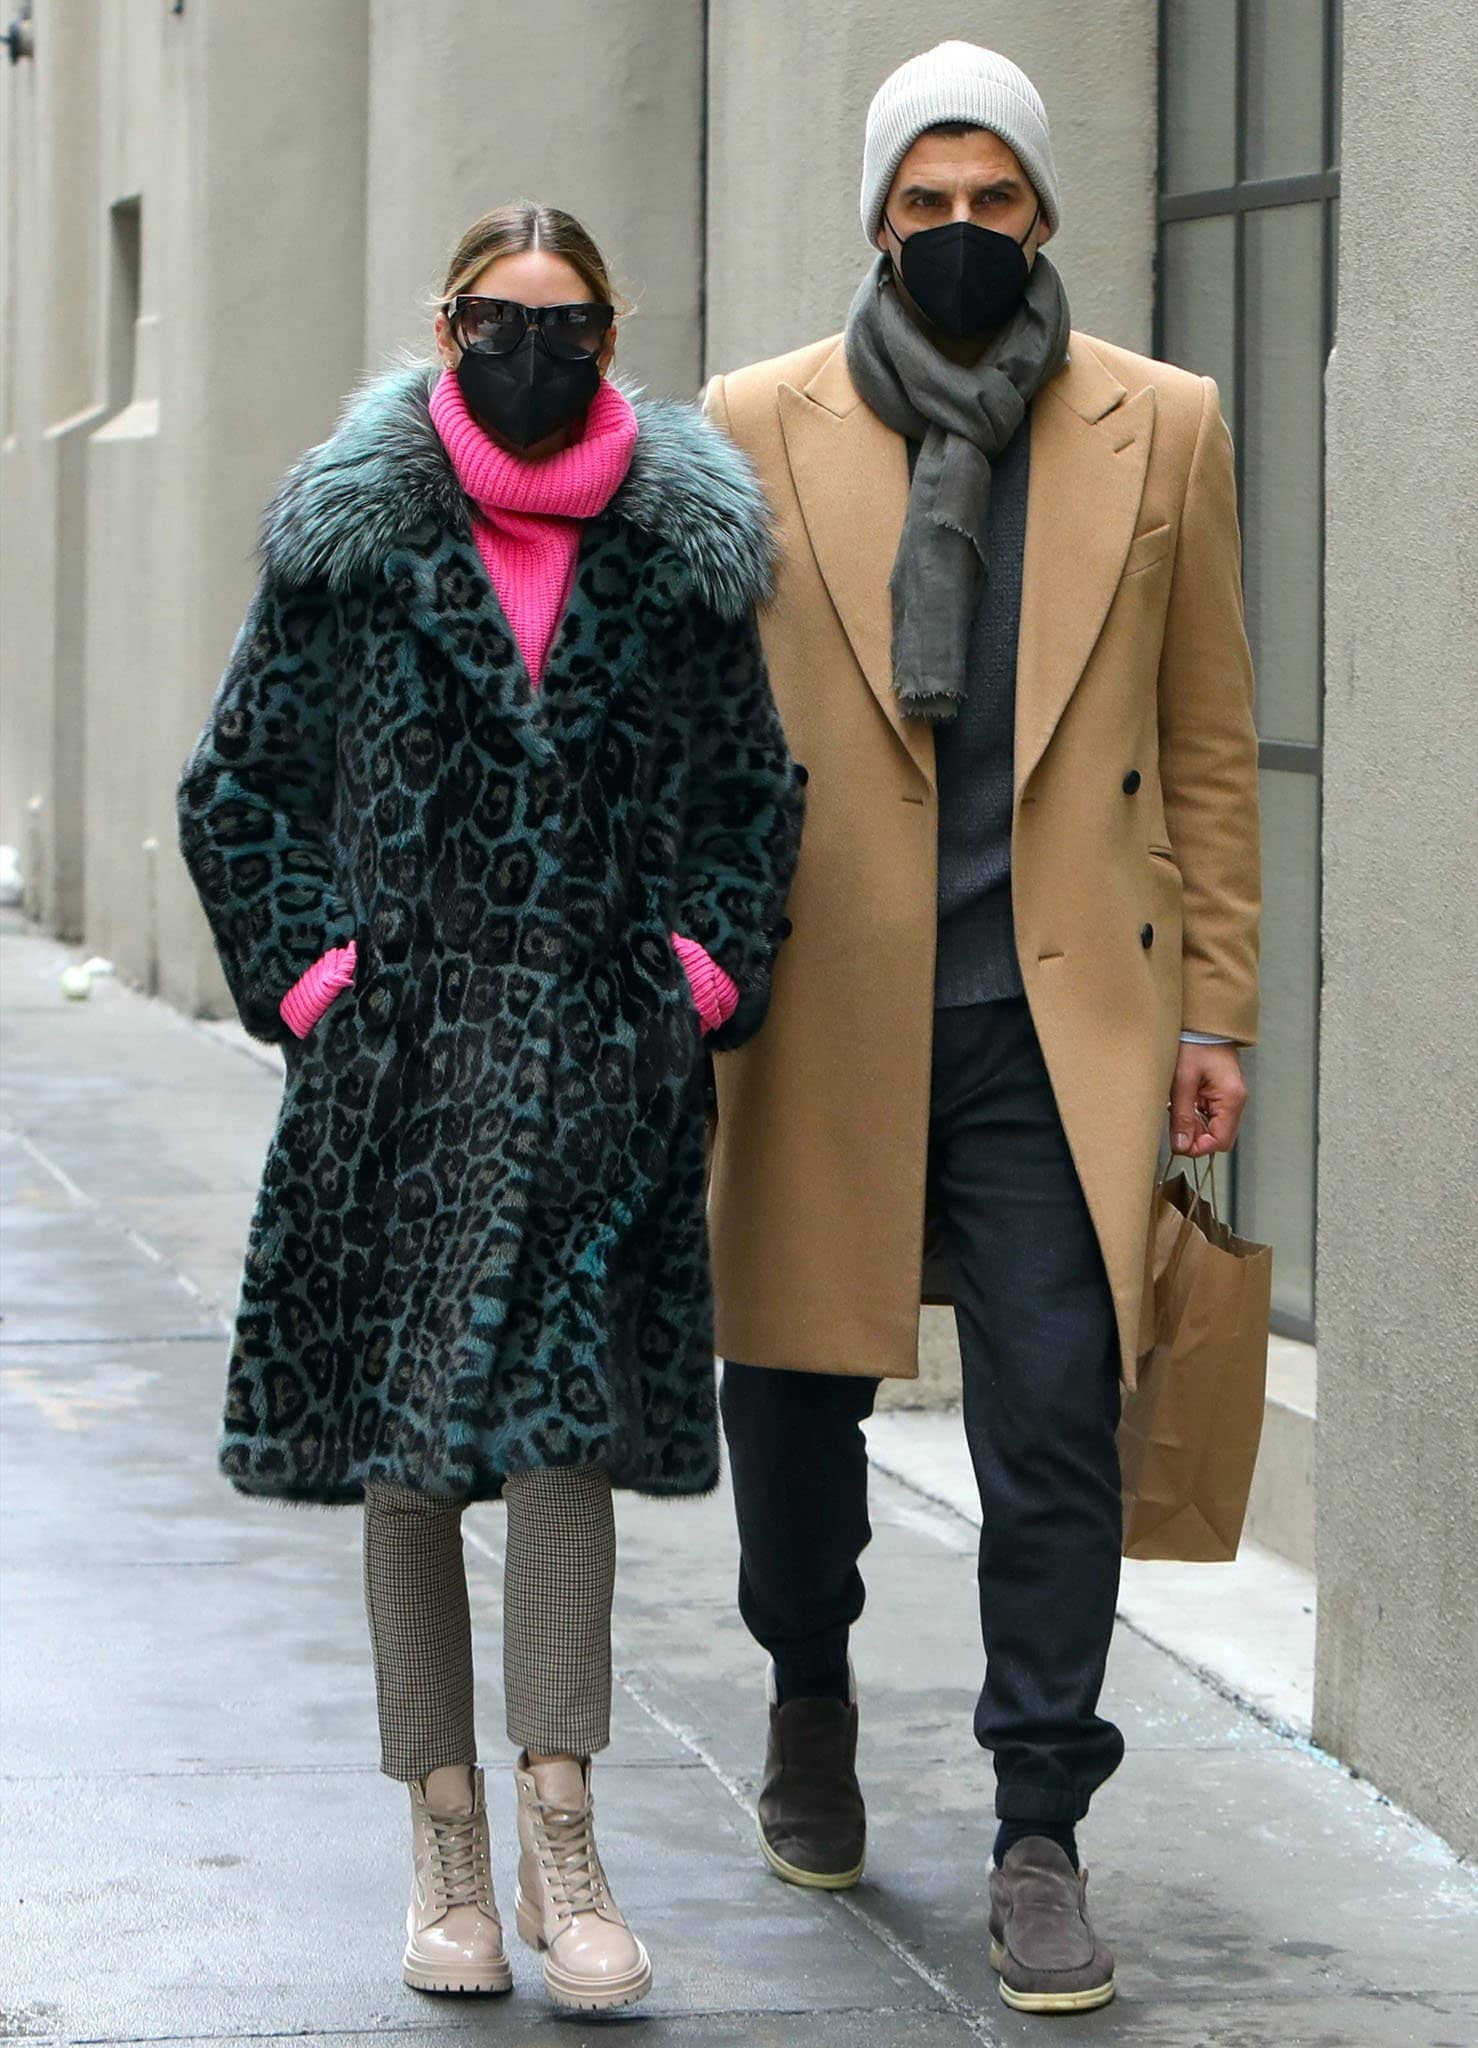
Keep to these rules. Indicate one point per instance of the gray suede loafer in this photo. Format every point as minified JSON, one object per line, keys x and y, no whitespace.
{"x":1041,"y":1939}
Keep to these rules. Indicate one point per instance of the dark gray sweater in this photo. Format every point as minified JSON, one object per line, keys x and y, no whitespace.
{"x":975,"y":753}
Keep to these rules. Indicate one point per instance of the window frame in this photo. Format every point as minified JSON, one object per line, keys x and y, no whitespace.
{"x":1236,"y":202}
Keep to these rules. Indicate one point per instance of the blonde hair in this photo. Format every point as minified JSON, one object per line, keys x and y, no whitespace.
{"x":521,"y":225}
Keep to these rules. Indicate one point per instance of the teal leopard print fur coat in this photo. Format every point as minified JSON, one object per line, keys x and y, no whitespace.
{"x":480,"y":1245}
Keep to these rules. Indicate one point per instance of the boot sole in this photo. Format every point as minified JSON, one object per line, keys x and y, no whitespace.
{"x":574,"y":1993}
{"x":479,"y":1984}
{"x":809,"y":1880}
{"x":1047,"y":2001}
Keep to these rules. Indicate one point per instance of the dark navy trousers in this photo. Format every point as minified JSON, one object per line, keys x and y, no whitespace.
{"x":1040,"y":1363}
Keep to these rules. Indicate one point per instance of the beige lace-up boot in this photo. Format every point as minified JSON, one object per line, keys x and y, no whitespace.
{"x":453,"y":1936}
{"x":592,"y":1960}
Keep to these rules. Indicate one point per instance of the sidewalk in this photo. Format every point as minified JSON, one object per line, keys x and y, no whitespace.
{"x":198,"y":1845}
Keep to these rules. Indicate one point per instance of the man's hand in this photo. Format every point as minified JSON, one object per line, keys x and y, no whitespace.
{"x":1207,"y":1098}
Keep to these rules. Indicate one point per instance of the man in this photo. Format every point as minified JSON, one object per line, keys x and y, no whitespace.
{"x":1007,"y":644}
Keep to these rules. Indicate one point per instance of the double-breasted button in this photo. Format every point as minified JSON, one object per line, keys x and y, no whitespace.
{"x":785,"y":928}
{"x":802,"y":773}
{"x":1146,"y":936}
{"x":1132,"y":781}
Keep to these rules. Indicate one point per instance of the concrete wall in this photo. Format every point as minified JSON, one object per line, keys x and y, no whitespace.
{"x":1398,"y":1163}
{"x":267,"y":288}
{"x":166,"y":356}
{"x":48,"y":150}
{"x":597,"y":109}
{"x":114,"y":548}
{"x":212,"y":222}
{"x":26,"y":509}
{"x":788,"y":93}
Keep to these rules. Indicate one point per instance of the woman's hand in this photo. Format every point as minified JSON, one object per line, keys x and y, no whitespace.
{"x":315,"y":992}
{"x":714,"y":993}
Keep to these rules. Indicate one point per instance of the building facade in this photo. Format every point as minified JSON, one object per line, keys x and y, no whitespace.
{"x":217,"y":214}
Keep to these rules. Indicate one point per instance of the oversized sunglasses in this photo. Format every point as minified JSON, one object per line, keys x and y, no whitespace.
{"x":496,"y":327}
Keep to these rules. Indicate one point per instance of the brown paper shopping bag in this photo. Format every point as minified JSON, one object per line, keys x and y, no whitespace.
{"x":1190,"y":1430}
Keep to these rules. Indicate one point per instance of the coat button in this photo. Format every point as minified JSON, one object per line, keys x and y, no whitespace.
{"x":1146,"y":936}
{"x":802,"y":773}
{"x":785,"y":928}
{"x":1132,"y":781}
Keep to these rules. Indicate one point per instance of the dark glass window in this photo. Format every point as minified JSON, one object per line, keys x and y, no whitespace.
{"x":1248,"y":215}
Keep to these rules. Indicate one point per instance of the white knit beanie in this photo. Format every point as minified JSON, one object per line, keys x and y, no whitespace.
{"x":955,"y":82}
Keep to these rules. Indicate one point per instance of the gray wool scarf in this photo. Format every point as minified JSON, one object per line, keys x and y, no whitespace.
{"x":962,"y":417}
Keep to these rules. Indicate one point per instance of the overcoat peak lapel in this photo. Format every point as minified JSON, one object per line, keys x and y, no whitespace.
{"x":1086,"y":383}
{"x":1090,"y":451}
{"x":851,"y":477}
{"x":1089,"y":454}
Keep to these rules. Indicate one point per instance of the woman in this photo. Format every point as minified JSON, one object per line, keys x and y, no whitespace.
{"x":493,"y":818}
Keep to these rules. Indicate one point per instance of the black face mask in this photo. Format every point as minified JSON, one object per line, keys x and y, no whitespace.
{"x":962,"y":277}
{"x":528,"y":394}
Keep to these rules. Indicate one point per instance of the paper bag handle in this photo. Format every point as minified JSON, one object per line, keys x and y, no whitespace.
{"x":1203,"y":1180}
{"x":1206,"y":1189}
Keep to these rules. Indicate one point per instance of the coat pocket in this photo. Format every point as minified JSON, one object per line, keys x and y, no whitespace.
{"x":1147,"y":549}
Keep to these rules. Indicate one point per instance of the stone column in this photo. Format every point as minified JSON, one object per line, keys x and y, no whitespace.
{"x":25,"y":507}
{"x":262,"y":309}
{"x":597,"y":109}
{"x":50,"y":406}
{"x":1398,"y":1151}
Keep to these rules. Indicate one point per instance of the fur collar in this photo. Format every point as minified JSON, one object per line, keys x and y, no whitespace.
{"x":383,"y":473}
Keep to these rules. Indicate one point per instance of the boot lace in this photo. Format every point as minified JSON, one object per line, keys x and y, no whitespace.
{"x":577,"y":1879}
{"x":459,"y":1865}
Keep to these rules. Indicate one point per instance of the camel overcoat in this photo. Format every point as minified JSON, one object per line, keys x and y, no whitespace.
{"x":1134,"y":841}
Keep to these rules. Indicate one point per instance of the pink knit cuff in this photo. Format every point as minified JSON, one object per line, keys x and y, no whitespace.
{"x":715,"y":993}
{"x":311,"y":994}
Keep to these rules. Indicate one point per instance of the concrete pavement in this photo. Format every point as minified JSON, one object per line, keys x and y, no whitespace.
{"x":198,"y":1846}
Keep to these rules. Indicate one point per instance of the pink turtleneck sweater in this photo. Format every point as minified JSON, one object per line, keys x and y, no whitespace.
{"x":531,"y":512}
{"x":528,"y":536}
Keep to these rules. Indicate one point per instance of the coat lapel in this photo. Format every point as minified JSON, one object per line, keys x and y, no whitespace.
{"x":851,"y":477}
{"x":601,"y":649}
{"x":598,"y":648}
{"x":1089,"y":453}
{"x":452,"y":602}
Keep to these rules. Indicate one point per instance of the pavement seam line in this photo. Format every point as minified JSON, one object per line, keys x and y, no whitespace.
{"x":448,"y":2025}
{"x":974,"y":2021}
{"x":91,"y":1203}
{"x":967,"y":2015}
